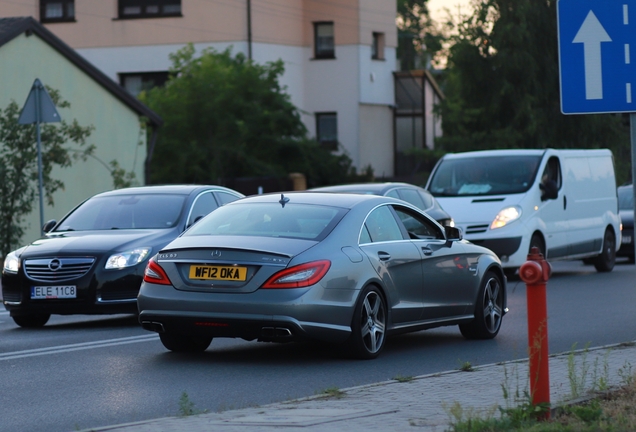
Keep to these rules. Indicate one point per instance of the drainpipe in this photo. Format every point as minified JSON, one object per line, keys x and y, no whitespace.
{"x":249,"y":29}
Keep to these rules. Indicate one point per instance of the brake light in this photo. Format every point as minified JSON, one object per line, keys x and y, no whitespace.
{"x":155,"y":274}
{"x":299,"y":276}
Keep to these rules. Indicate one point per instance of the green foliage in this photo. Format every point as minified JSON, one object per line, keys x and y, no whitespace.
{"x":186,"y":406}
{"x":228,"y":117}
{"x":419,"y":39}
{"x":502,"y":87}
{"x":19,"y":165}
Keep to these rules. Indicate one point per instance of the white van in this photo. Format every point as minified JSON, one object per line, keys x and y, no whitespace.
{"x":562,"y":201}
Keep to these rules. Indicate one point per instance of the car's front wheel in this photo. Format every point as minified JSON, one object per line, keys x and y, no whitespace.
{"x":185,"y":343}
{"x":488,"y":310}
{"x":369,"y":324}
{"x":31,"y":321}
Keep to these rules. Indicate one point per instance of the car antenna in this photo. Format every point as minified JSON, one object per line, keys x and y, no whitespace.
{"x":283,"y":200}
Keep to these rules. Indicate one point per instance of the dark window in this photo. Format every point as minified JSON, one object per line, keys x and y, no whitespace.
{"x":324,"y":46}
{"x":417,"y":226}
{"x":203,"y":205}
{"x":377,"y":47}
{"x":381,"y":226}
{"x":57,"y":10}
{"x":327,"y":130}
{"x":135,"y":83}
{"x":149,"y":8}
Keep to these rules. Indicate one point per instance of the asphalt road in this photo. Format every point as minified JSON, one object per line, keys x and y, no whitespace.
{"x":80,"y":372}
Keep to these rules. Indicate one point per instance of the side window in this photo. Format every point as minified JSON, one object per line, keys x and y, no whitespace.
{"x":411,"y":196}
{"x":393,"y":193}
{"x":57,"y":11}
{"x":382,"y":225}
{"x":324,"y":46}
{"x":427,"y":199}
{"x":149,"y":9}
{"x":552,"y":172}
{"x":417,"y":226}
{"x":224,"y":197}
{"x":203,"y":204}
{"x":327,"y":130}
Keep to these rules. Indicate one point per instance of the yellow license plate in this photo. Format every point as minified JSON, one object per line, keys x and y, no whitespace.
{"x":229,"y":273}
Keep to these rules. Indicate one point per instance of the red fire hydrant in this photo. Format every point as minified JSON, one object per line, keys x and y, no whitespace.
{"x":535,"y":273}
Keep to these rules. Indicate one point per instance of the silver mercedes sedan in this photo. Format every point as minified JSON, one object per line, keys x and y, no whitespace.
{"x":345,"y":268}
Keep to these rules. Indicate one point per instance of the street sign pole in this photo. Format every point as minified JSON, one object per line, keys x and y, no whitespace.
{"x":39,"y":141}
{"x":39,"y":108}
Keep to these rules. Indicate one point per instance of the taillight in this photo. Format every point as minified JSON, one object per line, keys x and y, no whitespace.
{"x":299,"y":276}
{"x":155,"y":274}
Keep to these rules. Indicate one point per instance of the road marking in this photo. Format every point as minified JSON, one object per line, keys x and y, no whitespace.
{"x":591,"y":35}
{"x":77,"y":347}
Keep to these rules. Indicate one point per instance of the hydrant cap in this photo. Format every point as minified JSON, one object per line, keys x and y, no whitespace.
{"x":531,"y":272}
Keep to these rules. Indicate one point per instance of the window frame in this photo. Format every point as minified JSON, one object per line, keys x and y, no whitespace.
{"x":122,"y":4}
{"x":377,"y":46}
{"x":320,"y":54}
{"x":331,"y":144}
{"x":65,"y":11}
{"x":158,"y":79}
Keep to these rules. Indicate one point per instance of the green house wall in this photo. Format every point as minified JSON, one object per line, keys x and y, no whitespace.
{"x":117,"y":134}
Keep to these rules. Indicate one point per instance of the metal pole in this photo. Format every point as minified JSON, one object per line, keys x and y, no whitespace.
{"x":40,"y":180}
{"x":249,"y":30}
{"x":632,"y":138}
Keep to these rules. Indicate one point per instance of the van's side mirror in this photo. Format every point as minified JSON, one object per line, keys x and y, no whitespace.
{"x":549,"y":189}
{"x":453,"y":233}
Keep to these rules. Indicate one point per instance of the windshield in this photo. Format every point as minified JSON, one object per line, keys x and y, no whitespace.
{"x":493,"y":175}
{"x":150,"y":211}
{"x":626,"y":198}
{"x":299,"y":221}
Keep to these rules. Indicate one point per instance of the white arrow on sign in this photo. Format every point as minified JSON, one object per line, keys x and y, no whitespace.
{"x":591,"y":34}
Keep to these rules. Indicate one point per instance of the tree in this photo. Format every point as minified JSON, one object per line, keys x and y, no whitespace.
{"x":502,"y":86}
{"x":228,"y":117}
{"x":19,"y":166}
{"x":419,"y":38}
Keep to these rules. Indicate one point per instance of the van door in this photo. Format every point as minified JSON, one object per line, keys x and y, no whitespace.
{"x":553,"y":209}
{"x":591,"y":192}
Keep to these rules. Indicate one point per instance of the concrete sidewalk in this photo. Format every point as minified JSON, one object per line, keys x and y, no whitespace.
{"x":421,"y":403}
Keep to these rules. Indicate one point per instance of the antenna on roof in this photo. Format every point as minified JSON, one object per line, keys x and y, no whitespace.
{"x":283,"y":200}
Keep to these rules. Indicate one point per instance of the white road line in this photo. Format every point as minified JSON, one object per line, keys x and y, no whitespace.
{"x":628,"y":90}
{"x":76,"y":347}
{"x":625,"y":15}
{"x":627,"y":57}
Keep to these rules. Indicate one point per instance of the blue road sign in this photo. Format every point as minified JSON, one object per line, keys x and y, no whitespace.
{"x":597,"y":56}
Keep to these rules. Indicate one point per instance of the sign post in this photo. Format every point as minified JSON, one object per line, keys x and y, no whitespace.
{"x":596,"y":71}
{"x":39,"y":108}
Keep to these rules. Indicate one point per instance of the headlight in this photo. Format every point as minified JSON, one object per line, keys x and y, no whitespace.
{"x":505,"y":216}
{"x":11,"y":263}
{"x":127,"y":259}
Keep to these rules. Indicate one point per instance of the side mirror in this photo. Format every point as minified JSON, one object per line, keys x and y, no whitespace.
{"x":453,"y":233}
{"x":49,"y":225}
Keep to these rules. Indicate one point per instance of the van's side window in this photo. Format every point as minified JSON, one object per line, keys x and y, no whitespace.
{"x":551,"y":179}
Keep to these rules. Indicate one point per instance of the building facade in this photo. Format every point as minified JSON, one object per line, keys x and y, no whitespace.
{"x":339,"y":55}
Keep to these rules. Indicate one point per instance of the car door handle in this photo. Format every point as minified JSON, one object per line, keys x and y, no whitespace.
{"x":427,"y":250}
{"x":384,"y":256}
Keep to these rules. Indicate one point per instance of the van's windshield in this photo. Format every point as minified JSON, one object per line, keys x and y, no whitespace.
{"x":494,"y":175}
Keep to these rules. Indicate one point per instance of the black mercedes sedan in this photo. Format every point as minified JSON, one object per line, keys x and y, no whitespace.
{"x":93,"y":260}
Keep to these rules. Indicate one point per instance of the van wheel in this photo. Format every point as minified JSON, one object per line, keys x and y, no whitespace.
{"x":488,"y":310}
{"x":537,"y":241}
{"x":607,"y":258}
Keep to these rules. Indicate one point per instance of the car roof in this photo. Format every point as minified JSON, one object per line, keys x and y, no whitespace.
{"x":166,"y":189}
{"x":343,"y":200}
{"x":375,"y":188}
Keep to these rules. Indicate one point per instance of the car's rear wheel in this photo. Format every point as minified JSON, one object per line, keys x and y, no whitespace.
{"x":607,"y":258}
{"x":185,"y":343}
{"x":31,"y":321}
{"x":369,"y":324}
{"x":488,"y":310}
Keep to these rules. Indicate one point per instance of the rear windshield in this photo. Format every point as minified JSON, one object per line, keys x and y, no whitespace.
{"x":299,"y":221}
{"x":494,"y":175}
{"x":150,"y":211}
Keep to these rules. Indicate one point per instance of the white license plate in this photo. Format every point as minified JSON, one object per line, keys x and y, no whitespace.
{"x":53,"y":292}
{"x":627,"y":239}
